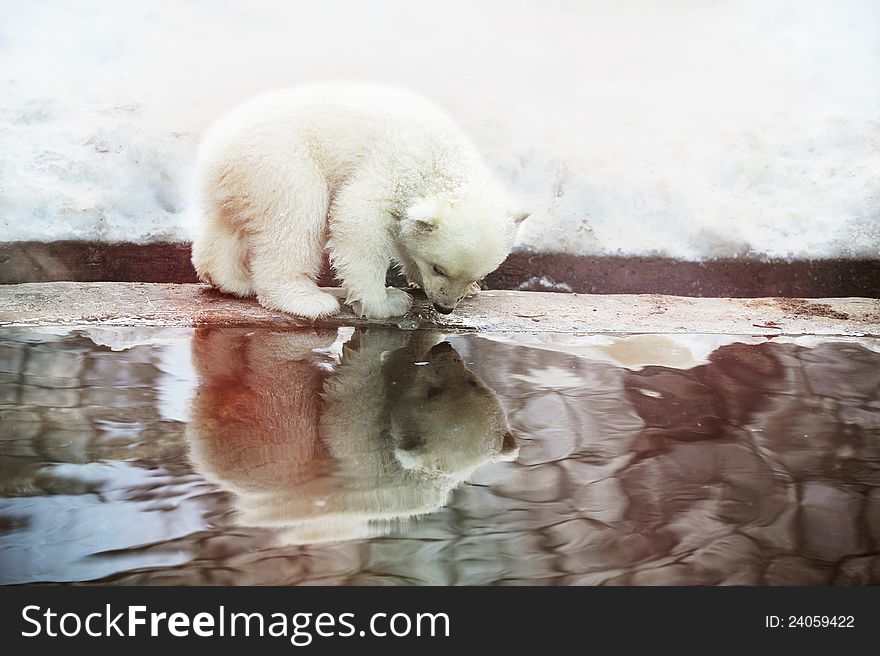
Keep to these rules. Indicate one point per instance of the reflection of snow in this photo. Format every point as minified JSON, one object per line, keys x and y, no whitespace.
{"x":121,"y":338}
{"x":634,"y":352}
{"x":177,"y":382}
{"x":676,"y":128}
{"x":549,"y":377}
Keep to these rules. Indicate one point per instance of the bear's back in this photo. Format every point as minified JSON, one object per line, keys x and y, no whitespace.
{"x":337,"y":120}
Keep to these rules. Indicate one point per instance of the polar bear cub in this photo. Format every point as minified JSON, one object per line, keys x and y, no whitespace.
{"x":372,"y":174}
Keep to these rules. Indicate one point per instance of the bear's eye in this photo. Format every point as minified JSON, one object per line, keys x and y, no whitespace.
{"x":439,"y":271}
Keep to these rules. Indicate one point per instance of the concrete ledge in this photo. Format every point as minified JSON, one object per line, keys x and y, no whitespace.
{"x":139,"y":304}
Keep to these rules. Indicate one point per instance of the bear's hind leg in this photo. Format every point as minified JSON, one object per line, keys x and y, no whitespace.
{"x":220,"y":258}
{"x":287,"y":248}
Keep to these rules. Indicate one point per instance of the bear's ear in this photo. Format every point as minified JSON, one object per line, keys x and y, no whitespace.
{"x":509,"y":448}
{"x":519,"y":217}
{"x":426,"y":224}
{"x":411,"y":442}
{"x":424,"y":215}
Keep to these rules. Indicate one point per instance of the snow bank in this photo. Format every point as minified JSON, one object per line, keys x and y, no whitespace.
{"x":688,"y":129}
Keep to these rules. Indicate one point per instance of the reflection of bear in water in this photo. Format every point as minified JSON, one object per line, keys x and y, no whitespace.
{"x":387,"y":435}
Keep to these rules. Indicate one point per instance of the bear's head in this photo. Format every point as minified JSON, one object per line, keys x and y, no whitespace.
{"x":442,"y":419}
{"x":452,"y":240}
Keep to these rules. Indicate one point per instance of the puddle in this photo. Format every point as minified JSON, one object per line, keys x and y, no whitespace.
{"x":236,"y":456}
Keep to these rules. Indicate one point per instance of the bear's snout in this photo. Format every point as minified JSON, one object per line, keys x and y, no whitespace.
{"x":442,"y":309}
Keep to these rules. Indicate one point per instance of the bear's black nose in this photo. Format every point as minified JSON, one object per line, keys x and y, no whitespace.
{"x":442,"y":309}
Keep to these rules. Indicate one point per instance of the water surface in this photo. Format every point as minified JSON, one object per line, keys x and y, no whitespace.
{"x":237,"y":456}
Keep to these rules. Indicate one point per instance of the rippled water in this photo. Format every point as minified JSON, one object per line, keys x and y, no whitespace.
{"x":234,"y":456}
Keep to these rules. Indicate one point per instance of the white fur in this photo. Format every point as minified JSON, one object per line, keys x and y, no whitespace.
{"x":373,"y":174}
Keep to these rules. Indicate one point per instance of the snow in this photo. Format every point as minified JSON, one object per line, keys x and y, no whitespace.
{"x":545,"y":284}
{"x":687,"y":129}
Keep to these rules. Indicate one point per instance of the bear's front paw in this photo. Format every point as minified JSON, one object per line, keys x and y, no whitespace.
{"x":382,"y":339}
{"x":395,"y":304}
